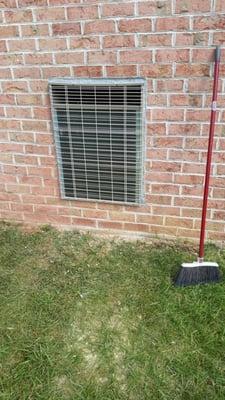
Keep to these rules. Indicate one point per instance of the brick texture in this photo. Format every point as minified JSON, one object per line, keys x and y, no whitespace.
{"x":167,"y":42}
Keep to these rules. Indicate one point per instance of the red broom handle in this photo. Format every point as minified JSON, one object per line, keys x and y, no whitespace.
{"x":209,"y":154}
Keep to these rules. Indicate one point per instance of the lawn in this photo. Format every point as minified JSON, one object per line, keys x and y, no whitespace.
{"x":91,"y":319}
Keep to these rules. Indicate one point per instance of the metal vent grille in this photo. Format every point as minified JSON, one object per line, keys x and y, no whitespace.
{"x":99,"y":139}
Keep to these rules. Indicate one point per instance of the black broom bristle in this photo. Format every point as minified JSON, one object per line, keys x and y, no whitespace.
{"x":197,"y":275}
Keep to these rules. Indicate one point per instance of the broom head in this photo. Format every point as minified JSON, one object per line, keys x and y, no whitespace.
{"x":197,"y":273}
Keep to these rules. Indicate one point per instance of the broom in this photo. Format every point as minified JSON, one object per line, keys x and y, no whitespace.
{"x":201,"y":271}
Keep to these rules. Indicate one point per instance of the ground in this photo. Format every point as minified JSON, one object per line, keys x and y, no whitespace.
{"x":89,"y":319}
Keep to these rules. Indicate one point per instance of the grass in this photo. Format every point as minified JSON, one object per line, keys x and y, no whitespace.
{"x":86,"y":319}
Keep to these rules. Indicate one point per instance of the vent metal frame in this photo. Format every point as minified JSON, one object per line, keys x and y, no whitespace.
{"x":101,"y":82}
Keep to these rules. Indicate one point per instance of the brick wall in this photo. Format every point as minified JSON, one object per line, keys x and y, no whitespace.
{"x":168,"y":42}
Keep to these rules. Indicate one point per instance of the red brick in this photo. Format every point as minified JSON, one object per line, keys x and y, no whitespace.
{"x":4,"y":136}
{"x":18,"y":16}
{"x":172,"y":24}
{"x":82,"y":12}
{"x":11,"y":147}
{"x":110,"y":225}
{"x":209,"y":22}
{"x":47,"y":191}
{"x":38,"y":59}
{"x":198,"y":115}
{"x":218,"y":38}
{"x":10,"y":215}
{"x":159,"y":188}
{"x":38,"y":85}
{"x":186,"y":100}
{"x":88,"y":42}
{"x":161,"y":210}
{"x":188,"y":179}
{"x":14,"y":59}
{"x":38,"y":171}
{"x":196,"y":168}
{"x":186,"y":155}
{"x":200,"y":6}
{"x":220,"y":6}
{"x":192,"y":190}
{"x":3,"y":46}
{"x":200,"y":85}
{"x":190,"y":39}
{"x":220,"y":169}
{"x":156,"y":129}
{"x":42,"y":113}
{"x":101,"y":57}
{"x":168,"y":142}
{"x":30,"y":180}
{"x":119,"y":41}
{"x":84,"y":221}
{"x":167,"y":114}
{"x":21,"y":45}
{"x":190,"y":70}
{"x":136,"y":227}
{"x":4,"y":205}
{"x":34,"y":125}
{"x":50,"y":14}
{"x":96,"y":214}
{"x":27,"y":72}
{"x":135,"y":56}
{"x":187,"y":202}
{"x":8,"y":31}
{"x":24,"y":3}
{"x":153,"y":40}
{"x":99,"y":26}
{"x":122,"y":70}
{"x":91,"y":72}
{"x":165,"y":166}
{"x":18,"y":112}
{"x":156,"y":99}
{"x":179,"y":222}
{"x":51,"y":72}
{"x":35,"y":30}
{"x":161,"y":7}
{"x":121,"y":216}
{"x":192,"y":213}
{"x":5,"y":73}
{"x":14,"y":169}
{"x":156,"y":71}
{"x":8,"y":3}
{"x":66,"y":29}
{"x":21,"y":136}
{"x":196,"y":143}
{"x":9,"y":124}
{"x":25,"y":159}
{"x":6,"y":158}
{"x":199,"y":55}
{"x":52,"y":44}
{"x":170,"y":85}
{"x":45,"y":161}
{"x":69,"y":58}
{"x":159,"y":199}
{"x":14,"y":86}
{"x":28,"y":99}
{"x":68,"y":211}
{"x":117,"y":10}
{"x":135,"y":25}
{"x":62,"y":2}
{"x":172,"y":55}
{"x":22,"y":207}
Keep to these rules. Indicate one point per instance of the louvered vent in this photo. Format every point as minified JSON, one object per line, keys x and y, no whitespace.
{"x":99,"y":138}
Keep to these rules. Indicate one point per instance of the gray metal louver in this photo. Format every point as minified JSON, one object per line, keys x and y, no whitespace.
{"x":98,"y":128}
